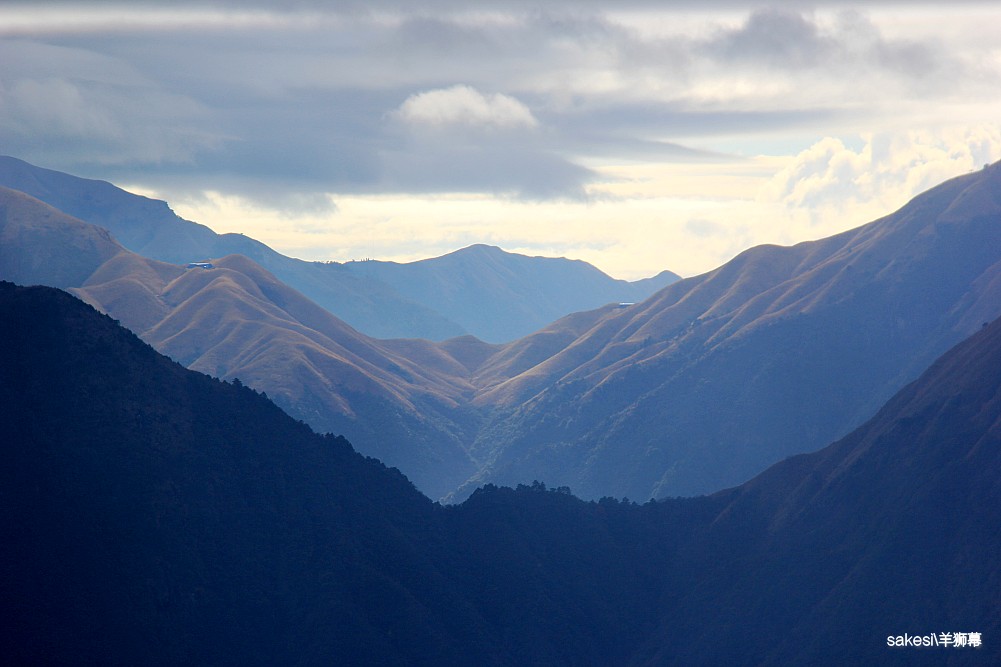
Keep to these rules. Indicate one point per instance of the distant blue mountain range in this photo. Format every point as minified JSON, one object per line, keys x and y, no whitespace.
{"x":484,"y":291}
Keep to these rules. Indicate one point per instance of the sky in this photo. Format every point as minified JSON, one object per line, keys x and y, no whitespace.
{"x":635,"y":135}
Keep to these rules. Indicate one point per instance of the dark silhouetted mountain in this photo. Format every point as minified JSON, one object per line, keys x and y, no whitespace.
{"x":487,"y":292}
{"x":892,"y":530}
{"x":779,"y":351}
{"x":153,"y":515}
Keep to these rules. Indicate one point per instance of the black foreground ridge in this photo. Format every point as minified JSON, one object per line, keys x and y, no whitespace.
{"x":152,"y":515}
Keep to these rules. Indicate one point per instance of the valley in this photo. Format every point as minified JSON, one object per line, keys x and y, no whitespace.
{"x":684,"y":393}
{"x":157,"y":515}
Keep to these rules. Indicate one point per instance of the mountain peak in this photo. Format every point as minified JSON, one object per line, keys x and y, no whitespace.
{"x":695,"y":384}
{"x":435,"y":298}
{"x":483,"y":248}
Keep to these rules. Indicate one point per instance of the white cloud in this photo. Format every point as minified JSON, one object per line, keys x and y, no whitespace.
{"x":465,"y":106}
{"x":889,"y":167}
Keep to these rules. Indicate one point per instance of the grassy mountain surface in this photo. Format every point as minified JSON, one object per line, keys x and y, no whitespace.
{"x":494,"y":295}
{"x":776,"y":352}
{"x":149,"y":228}
{"x":698,"y":388}
{"x":155,"y":515}
{"x":238,"y":320}
{"x":39,"y":244}
{"x":891,"y":530}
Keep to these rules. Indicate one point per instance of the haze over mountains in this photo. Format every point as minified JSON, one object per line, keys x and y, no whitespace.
{"x":698,"y":388}
{"x":481,"y":290}
{"x":155,"y":515}
{"x":500,"y":296}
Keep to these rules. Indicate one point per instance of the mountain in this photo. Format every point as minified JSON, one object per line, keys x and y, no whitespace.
{"x":500,"y":296}
{"x":39,"y":244}
{"x":697,"y":388}
{"x":149,"y":228}
{"x":483,"y":291}
{"x":405,"y":401}
{"x":779,"y":351}
{"x":891,"y":530}
{"x":155,"y":515}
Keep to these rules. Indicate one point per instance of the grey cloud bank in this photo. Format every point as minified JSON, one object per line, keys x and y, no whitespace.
{"x":292,"y":104}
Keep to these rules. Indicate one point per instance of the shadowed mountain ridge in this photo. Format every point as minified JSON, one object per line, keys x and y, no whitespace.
{"x":152,"y":514}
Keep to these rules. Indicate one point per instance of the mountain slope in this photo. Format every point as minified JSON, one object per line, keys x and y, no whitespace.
{"x":404,"y":402}
{"x":63,"y":251}
{"x":695,"y":389}
{"x":495,"y":295}
{"x":154,"y":515}
{"x":774,"y":353}
{"x":148,"y":227}
{"x":500,"y":296}
{"x":237,"y":320}
{"x":891,"y":530}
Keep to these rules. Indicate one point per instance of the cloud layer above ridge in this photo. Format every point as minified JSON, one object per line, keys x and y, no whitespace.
{"x":296,"y":106}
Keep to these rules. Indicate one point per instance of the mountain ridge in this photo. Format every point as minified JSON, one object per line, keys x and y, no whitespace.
{"x":237,"y":320}
{"x":382,"y":299}
{"x":708,"y":361}
{"x":901,"y":500}
{"x":170,"y":518}
{"x":527,"y":293}
{"x":153,"y":514}
{"x":681,"y":394}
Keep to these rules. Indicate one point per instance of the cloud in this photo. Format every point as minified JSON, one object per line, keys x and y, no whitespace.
{"x":73,"y":108}
{"x":633,"y":134}
{"x":465,"y":106}
{"x":843,"y":55}
{"x":830,"y":178}
{"x":284,"y":104}
{"x":776,"y":38}
{"x":458,"y":139}
{"x":59,"y":108}
{"x":703,"y":228}
{"x":485,"y":167}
